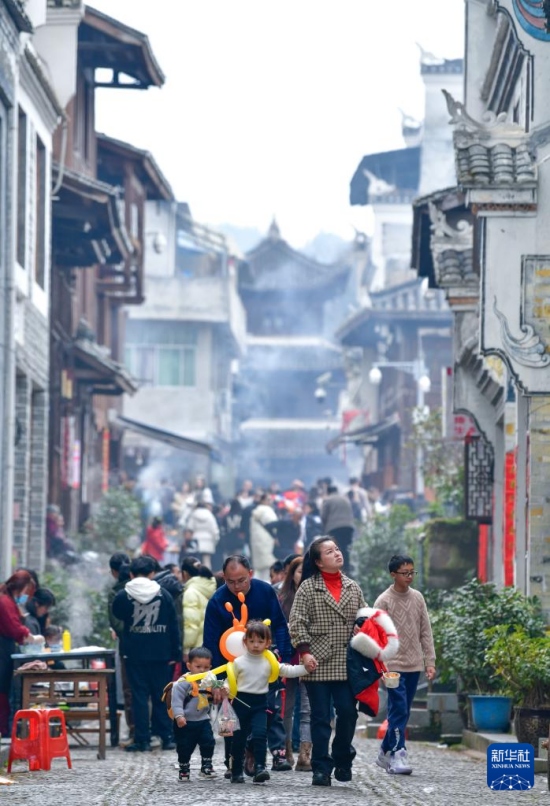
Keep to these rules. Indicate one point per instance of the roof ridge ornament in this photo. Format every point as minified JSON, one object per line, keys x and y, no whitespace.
{"x":377,"y":186}
{"x":274,"y":233}
{"x":491,"y":126}
{"x":444,"y":236}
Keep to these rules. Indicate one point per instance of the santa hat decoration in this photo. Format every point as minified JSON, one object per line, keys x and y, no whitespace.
{"x":377,"y":638}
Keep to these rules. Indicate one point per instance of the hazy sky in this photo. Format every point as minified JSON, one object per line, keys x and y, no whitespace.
{"x":268,"y":107}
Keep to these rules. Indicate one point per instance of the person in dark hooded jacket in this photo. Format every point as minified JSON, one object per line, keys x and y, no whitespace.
{"x":169,"y":581}
{"x":150,"y":644}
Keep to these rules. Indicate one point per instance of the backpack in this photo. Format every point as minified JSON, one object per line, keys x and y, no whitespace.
{"x":167,"y":695}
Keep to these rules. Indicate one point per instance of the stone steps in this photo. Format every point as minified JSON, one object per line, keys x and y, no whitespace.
{"x":480,"y":742}
{"x":418,"y":729}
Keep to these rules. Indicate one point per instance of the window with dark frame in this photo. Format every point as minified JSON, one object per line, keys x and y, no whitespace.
{"x":40,"y":219}
{"x":22,"y":188}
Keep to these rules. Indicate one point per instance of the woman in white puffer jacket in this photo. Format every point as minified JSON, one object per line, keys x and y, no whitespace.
{"x":205,"y":530}
{"x":199,"y":586}
{"x":261,"y":540}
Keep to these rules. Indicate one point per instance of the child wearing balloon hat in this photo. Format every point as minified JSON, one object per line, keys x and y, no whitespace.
{"x":192,"y":724}
{"x":252,"y":673}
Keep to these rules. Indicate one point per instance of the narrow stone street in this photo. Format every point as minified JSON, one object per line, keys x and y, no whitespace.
{"x":441,"y":777}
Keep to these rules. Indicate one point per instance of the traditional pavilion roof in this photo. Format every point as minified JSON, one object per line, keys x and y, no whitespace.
{"x":104,"y":42}
{"x":387,"y":177}
{"x":402,"y":303}
{"x":273,"y":265}
{"x":150,"y":174}
{"x":431,"y":64}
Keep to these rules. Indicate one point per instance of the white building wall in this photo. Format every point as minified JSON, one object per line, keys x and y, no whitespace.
{"x":387,"y":214}
{"x":160,"y":238}
{"x":56,"y":42}
{"x":437,"y":164}
{"x":185,"y":410}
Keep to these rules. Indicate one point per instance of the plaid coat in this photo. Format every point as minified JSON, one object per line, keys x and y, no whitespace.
{"x":326,"y":625}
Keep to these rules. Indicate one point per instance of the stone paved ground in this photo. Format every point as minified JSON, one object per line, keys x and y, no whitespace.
{"x":441,"y":777}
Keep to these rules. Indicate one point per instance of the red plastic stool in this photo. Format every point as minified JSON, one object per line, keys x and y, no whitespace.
{"x":383,"y":729}
{"x":55,"y":746}
{"x":32,"y":747}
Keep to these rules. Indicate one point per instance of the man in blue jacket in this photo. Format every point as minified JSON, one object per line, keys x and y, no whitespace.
{"x":150,"y":644}
{"x":262,"y":603}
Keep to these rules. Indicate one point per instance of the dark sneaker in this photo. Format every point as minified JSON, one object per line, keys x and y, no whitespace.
{"x":237,"y":779}
{"x":260,"y":775}
{"x":342,"y":774}
{"x":280,"y":764}
{"x":227,"y":773}
{"x":138,"y":747}
{"x":320,"y":779}
{"x":169,"y":745}
{"x":207,"y":770}
{"x":183,"y":774}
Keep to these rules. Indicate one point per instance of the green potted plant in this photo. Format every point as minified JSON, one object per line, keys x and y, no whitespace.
{"x":460,"y":621}
{"x":522,"y":664}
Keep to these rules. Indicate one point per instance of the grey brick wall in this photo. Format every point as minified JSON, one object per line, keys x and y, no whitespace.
{"x":9,"y":46}
{"x":22,"y":468}
{"x":33,"y":357}
{"x":38,"y":479}
{"x":31,"y":467}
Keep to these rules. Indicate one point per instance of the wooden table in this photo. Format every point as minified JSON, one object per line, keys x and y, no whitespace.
{"x":60,"y":686}
{"x":81,"y":659}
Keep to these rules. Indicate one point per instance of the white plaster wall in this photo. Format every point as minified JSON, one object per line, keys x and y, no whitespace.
{"x":160,"y":219}
{"x":480,"y":35}
{"x":36,"y":11}
{"x":56,"y":42}
{"x":541,"y":53}
{"x":185,"y":410}
{"x":191,"y":299}
{"x":24,"y":277}
{"x":386,"y":214}
{"x":437,"y":163}
{"x":508,"y":239}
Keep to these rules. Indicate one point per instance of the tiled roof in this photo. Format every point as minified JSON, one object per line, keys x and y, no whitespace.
{"x":500,"y":164}
{"x":274,"y":265}
{"x":442,"y":66}
{"x":390,"y":176}
{"x":492,"y":153}
{"x":456,"y":268}
{"x":452,"y":250}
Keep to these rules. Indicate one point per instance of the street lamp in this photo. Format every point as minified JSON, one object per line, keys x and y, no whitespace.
{"x":419,"y":371}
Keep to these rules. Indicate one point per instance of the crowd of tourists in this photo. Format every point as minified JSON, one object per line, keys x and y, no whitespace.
{"x":271,"y":569}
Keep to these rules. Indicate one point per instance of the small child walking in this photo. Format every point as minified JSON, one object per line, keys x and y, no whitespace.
{"x":192,"y":724}
{"x":252,"y":673}
{"x":416,"y":653}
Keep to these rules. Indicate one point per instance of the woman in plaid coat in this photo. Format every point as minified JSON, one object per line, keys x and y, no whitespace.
{"x":321,"y":624}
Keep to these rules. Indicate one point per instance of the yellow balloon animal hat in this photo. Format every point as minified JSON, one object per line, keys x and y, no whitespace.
{"x":232,"y":645}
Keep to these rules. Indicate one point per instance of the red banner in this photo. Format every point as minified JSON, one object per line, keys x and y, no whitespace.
{"x":510,"y":473}
{"x":483,"y":552}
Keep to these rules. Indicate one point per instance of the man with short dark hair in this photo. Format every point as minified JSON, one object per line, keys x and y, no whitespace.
{"x":262,"y":603}
{"x":150,"y":645}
